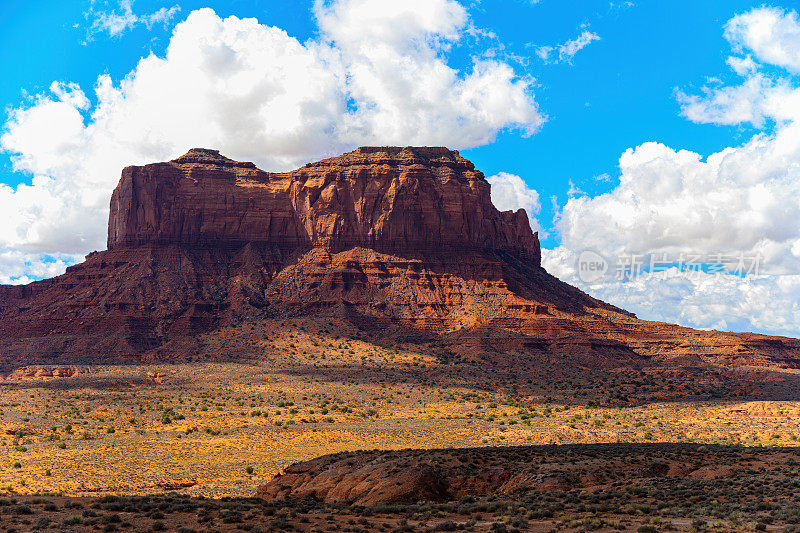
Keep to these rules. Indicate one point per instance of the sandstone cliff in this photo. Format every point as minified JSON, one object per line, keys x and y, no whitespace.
{"x":394,"y":200}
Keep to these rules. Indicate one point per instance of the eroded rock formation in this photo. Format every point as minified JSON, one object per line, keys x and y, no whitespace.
{"x":411,"y":476}
{"x":394,"y":200}
{"x":407,"y":236}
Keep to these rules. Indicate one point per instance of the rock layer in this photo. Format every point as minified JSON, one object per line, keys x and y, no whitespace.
{"x":406,"y":237}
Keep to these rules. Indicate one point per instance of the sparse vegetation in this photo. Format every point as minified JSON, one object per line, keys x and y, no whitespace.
{"x":222,"y":429}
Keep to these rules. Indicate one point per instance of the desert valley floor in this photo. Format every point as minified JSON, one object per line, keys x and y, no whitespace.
{"x":199,"y":430}
{"x":117,"y":430}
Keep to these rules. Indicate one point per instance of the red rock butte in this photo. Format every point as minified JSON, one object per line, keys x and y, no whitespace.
{"x":396,"y":200}
{"x":402,"y":237}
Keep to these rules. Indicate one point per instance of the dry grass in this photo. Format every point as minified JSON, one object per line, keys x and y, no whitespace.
{"x":614,"y":488}
{"x":140,"y":429}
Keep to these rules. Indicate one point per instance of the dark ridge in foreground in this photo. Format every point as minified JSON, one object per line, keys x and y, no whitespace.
{"x":411,"y":476}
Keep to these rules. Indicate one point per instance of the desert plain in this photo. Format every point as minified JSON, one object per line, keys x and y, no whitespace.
{"x":200,"y":431}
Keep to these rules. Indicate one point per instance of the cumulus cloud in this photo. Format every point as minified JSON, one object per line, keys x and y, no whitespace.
{"x":118,"y":21}
{"x":564,"y":52}
{"x":743,"y":200}
{"x":510,"y":192}
{"x":400,"y":26}
{"x":374,"y":75}
{"x":770,"y":32}
{"x":773,"y":37}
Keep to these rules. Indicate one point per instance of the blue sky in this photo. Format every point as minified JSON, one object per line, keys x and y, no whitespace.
{"x":653,"y":72}
{"x":618,"y":92}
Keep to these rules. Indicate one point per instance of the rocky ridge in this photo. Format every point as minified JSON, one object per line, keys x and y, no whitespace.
{"x":410,"y":476}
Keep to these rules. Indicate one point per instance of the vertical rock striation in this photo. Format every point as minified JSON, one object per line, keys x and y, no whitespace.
{"x":393,"y":200}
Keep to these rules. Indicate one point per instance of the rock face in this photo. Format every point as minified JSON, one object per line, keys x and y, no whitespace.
{"x":393,"y":200}
{"x":406,"y":237}
{"x":46,"y":372}
{"x":412,"y":476}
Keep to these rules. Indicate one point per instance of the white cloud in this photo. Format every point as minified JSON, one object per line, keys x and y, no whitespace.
{"x":574,"y":190}
{"x":743,"y":200}
{"x":18,"y":267}
{"x":563,"y":53}
{"x":764,"y":303}
{"x":409,"y":26}
{"x":118,"y":21}
{"x":544,"y":52}
{"x":729,"y":105}
{"x":373,"y":76}
{"x":770,"y":32}
{"x":742,"y":65}
{"x":510,"y":192}
{"x":772,"y":35}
